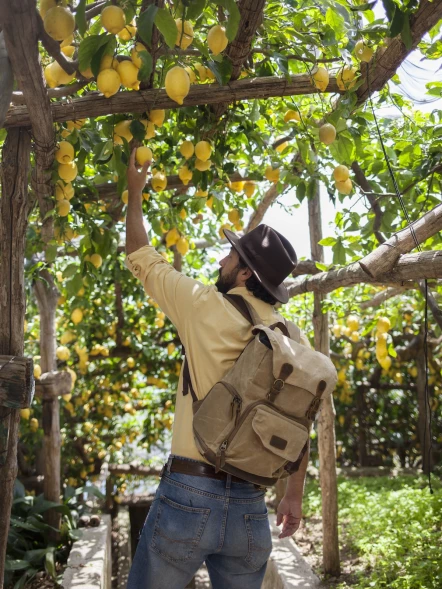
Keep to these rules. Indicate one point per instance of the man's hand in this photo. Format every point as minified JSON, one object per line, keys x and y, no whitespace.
{"x":289,"y":514}
{"x":136,"y":179}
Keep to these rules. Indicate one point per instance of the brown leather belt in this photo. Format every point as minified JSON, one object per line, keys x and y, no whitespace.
{"x":200,"y":469}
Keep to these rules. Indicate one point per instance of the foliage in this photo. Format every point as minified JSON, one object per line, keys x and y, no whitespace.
{"x":393,"y":524}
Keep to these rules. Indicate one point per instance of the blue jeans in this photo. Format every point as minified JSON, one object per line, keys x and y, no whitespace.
{"x":197,"y":519}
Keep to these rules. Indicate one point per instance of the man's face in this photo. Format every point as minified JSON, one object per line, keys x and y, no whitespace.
{"x":228,"y":272}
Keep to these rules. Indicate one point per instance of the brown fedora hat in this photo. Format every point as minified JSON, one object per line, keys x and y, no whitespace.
{"x":269,"y":255}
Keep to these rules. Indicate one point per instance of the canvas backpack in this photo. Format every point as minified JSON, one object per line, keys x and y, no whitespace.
{"x":255,"y":422}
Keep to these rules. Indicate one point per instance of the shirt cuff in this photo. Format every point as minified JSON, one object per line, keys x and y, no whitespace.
{"x":132,"y":260}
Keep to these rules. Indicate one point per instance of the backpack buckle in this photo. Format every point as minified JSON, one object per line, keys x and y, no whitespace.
{"x":276,"y":389}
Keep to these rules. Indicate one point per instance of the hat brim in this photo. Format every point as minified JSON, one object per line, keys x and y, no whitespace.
{"x":280,"y":292}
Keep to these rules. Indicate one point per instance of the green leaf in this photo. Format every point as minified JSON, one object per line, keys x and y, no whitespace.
{"x":334,"y":20}
{"x":16,"y":565}
{"x":88,"y":47}
{"x":70,"y":270}
{"x":146,"y":66}
{"x":221,"y":70}
{"x":138,"y":130}
{"x":106,"y":49}
{"x":167,"y":26}
{"x":51,"y":253}
{"x":80,"y":17}
{"x":255,"y":114}
{"x":105,"y":152}
{"x":327,"y":241}
{"x":50,"y":564}
{"x":397,"y":24}
{"x":392,"y":351}
{"x":195,"y":9}
{"x":339,"y":252}
{"x":301,"y":190}
{"x":322,"y":267}
{"x":406,"y":33}
{"x":234,"y":17}
{"x":145,"y":24}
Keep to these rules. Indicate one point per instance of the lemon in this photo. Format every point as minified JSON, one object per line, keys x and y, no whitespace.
{"x":45,"y":5}
{"x":63,"y":353}
{"x":238,"y":226}
{"x":33,"y":424}
{"x":234,"y":216}
{"x":386,"y":363}
{"x":63,"y":190}
{"x":249,"y":189}
{"x":217,"y":39}
{"x":63,"y":207}
{"x":122,"y":129}
{"x":202,"y":166}
{"x":170,"y":351}
{"x":177,"y":84}
{"x":172,"y":237}
{"x":108,"y":82}
{"x":159,"y":181}
{"x":113,"y":19}
{"x":67,"y":172}
{"x":199,"y":193}
{"x":108,"y":62}
{"x":96,"y":260}
{"x":363,"y":52}
{"x":59,"y":23}
{"x":37,"y":371}
{"x":67,"y":337}
{"x":183,"y":38}
{"x":221,"y":229}
{"x":210,"y":75}
{"x":76,"y":124}
{"x":68,"y":41}
{"x":327,"y":133}
{"x":65,"y":152}
{"x":25,"y":413}
{"x":352,"y":322}
{"x":341,"y":173}
{"x":49,"y":76}
{"x":203,"y":150}
{"x":202,"y":71}
{"x":135,"y":54}
{"x":320,"y":78}
{"x":88,"y":73}
{"x":157,"y":117}
{"x":128,"y":73}
{"x":281,"y":146}
{"x":77,"y":316}
{"x":146,"y":196}
{"x":383,"y":324}
{"x":185,"y":175}
{"x":191,"y":74}
{"x":150,"y":129}
{"x":125,"y":196}
{"x":236,"y":186}
{"x":209,"y":202}
{"x":272,"y":174}
{"x":182,"y":246}
{"x":344,"y":187}
{"x":183,"y":214}
{"x":292,"y":115}
{"x":346,"y":78}
{"x":187,"y":149}
{"x":60,"y":75}
{"x":128,"y":32}
{"x":143,"y":154}
{"x":68,"y":50}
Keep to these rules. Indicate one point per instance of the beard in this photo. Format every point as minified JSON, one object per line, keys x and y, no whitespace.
{"x":226,"y":282}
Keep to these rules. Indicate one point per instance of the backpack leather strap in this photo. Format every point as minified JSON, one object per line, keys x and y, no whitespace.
{"x":187,"y":381}
{"x":240,"y":305}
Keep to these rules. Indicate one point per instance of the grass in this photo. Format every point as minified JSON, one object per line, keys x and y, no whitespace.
{"x":393,"y":524}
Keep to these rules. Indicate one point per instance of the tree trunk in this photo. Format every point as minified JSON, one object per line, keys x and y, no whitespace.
{"x":326,"y":418}
{"x":13,"y":221}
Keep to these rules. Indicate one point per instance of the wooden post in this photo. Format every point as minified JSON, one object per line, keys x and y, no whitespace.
{"x":13,"y":221}
{"x":326,"y":418}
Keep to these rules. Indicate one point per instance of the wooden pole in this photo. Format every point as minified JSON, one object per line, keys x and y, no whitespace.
{"x":13,"y":221}
{"x":424,"y":432}
{"x":326,"y":418}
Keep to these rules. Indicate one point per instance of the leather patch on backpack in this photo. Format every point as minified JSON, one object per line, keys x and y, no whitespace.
{"x":278,"y":442}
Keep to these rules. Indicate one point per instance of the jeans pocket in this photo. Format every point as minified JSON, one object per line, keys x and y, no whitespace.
{"x":178,"y":529}
{"x":260,"y":540}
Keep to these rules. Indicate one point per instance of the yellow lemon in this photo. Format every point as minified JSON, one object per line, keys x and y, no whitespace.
{"x":128,"y":73}
{"x":199,"y":193}
{"x":272,"y":174}
{"x":236,"y":186}
{"x":159,"y":181}
{"x":96,"y":260}
{"x":210,"y":75}
{"x":191,"y":74}
{"x":182,"y":246}
{"x":327,"y":133}
{"x":209,"y":202}
{"x":183,"y":214}
{"x":281,"y":146}
{"x":157,"y":117}
{"x":170,"y":351}
{"x":177,"y":84}
{"x":184,"y":37}
{"x":59,"y":23}
{"x":341,"y":173}
{"x":68,"y":41}
{"x":67,"y":172}
{"x":76,"y":124}
{"x":45,"y":5}
{"x":202,"y":71}
{"x":37,"y":371}
{"x":150,"y":129}
{"x":68,"y":50}
{"x":352,"y":322}
{"x":34,"y":422}
{"x":344,"y":187}
{"x":292,"y":115}
{"x":109,"y":62}
{"x":187,"y":149}
{"x":77,"y":316}
{"x":321,"y":78}
{"x":201,"y":165}
{"x":128,"y":32}
{"x":234,"y":216}
{"x":386,"y":363}
{"x":363,"y":52}
{"x":108,"y":82}
{"x":63,"y":190}
{"x":123,"y":130}
{"x":346,"y":78}
{"x":143,"y":154}
{"x":49,"y":76}
{"x":203,"y":150}
{"x":63,"y":207}
{"x":217,"y":39}
{"x":113,"y":19}
{"x":221,"y":229}
{"x":185,"y":175}
{"x":62,"y":353}
{"x":125,"y":197}
{"x":249,"y":189}
{"x":146,"y":196}
{"x":383,"y":324}
{"x":25,"y":413}
{"x":135,"y":54}
{"x":172,"y":237}
{"x":65,"y":152}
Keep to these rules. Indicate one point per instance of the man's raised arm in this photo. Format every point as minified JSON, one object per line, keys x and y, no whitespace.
{"x":136,"y":235}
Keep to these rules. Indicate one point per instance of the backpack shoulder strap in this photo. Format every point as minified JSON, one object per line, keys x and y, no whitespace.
{"x":187,"y":381}
{"x":244,"y":308}
{"x":294,"y":331}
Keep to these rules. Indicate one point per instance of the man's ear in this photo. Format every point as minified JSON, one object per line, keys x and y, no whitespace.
{"x":247,"y":273}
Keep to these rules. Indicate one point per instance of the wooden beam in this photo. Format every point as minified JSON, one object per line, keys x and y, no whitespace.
{"x":383,"y":296}
{"x":409,"y":268}
{"x":94,"y":104}
{"x":52,"y":384}
{"x":383,"y":258}
{"x":16,"y":381}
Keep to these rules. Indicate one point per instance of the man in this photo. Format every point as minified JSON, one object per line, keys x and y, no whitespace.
{"x":199,"y":515}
